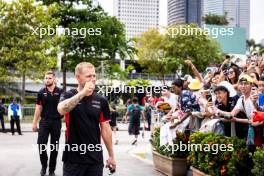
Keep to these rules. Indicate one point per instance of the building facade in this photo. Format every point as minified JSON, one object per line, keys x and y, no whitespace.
{"x":137,"y":15}
{"x":184,"y":11}
{"x":238,"y":11}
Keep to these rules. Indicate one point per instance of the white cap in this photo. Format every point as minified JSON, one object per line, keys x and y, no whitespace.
{"x":230,"y":88}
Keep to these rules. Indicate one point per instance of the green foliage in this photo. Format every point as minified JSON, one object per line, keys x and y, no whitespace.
{"x":104,"y":43}
{"x":223,"y":162}
{"x":114,"y":71}
{"x":197,"y":46}
{"x":258,"y":159}
{"x":152,"y":53}
{"x":22,"y":49}
{"x":165,"y":53}
{"x":138,"y":82}
{"x":216,"y":19}
{"x":170,"y":150}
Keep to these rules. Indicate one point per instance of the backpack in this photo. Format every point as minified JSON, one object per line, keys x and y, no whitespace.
{"x":135,"y":113}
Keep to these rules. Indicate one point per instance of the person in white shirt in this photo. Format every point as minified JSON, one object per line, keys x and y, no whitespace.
{"x":170,"y":98}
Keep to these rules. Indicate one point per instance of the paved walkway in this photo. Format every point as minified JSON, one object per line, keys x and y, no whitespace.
{"x":19,"y":155}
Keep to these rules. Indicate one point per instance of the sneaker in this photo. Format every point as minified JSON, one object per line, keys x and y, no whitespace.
{"x":51,"y":174}
{"x":134,"y":142}
{"x":43,"y":171}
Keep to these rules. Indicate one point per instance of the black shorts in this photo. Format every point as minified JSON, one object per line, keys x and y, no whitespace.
{"x":113,"y":123}
{"x":73,"y":169}
{"x":133,"y":128}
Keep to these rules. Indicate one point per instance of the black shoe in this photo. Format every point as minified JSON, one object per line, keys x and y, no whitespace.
{"x":43,"y":171}
{"x":20,"y":134}
{"x":13,"y":134}
{"x":51,"y":174}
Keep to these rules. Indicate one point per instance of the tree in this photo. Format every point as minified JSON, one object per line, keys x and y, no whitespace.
{"x":109,"y":42}
{"x":23,"y":49}
{"x":216,"y":19}
{"x":252,"y":46}
{"x":153,"y":55}
{"x":196,"y":45}
{"x":165,"y":53}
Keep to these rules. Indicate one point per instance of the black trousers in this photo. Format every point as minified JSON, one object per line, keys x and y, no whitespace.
{"x":15,"y":119}
{"x":74,"y":169}
{"x":46,"y":128}
{"x":2,"y":122}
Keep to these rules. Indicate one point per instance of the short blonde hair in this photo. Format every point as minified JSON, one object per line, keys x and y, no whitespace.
{"x":80,"y":66}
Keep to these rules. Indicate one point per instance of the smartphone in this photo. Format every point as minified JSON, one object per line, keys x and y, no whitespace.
{"x":209,"y":98}
{"x":254,"y":91}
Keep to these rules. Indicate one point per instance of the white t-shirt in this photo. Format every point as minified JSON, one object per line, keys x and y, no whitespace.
{"x":249,"y":106}
{"x":172,"y":100}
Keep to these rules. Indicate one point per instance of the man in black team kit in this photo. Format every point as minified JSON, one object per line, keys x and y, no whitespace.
{"x":88,"y":118}
{"x":50,"y":122}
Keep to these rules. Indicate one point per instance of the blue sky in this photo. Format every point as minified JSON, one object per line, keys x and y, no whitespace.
{"x":256,"y":16}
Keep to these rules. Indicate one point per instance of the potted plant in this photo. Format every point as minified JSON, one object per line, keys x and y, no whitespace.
{"x":218,"y":155}
{"x":258,"y":159}
{"x":167,"y":158}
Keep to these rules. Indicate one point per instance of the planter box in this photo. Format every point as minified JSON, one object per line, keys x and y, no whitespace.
{"x":196,"y":172}
{"x":170,"y":166}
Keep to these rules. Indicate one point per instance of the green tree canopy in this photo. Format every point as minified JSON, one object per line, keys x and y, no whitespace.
{"x":22,"y":49}
{"x":216,"y":19}
{"x":165,"y":53}
{"x":105,"y":44}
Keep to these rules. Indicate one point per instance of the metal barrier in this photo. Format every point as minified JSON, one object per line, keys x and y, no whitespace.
{"x":28,"y":113}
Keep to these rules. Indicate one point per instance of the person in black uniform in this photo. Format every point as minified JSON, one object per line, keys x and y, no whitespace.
{"x":2,"y":112}
{"x":88,"y":118}
{"x":50,"y":122}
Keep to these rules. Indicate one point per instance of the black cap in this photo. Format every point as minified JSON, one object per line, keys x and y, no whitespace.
{"x":178,"y":83}
{"x":221,"y":88}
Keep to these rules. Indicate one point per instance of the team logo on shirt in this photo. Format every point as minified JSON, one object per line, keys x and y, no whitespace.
{"x":96,"y":104}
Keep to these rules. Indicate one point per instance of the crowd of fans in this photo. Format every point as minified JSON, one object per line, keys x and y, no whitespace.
{"x":227,"y":100}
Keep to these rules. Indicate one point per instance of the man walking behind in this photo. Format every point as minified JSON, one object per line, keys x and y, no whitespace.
{"x":135,"y":112}
{"x":50,"y":122}
{"x":88,"y":118}
{"x":2,"y":112}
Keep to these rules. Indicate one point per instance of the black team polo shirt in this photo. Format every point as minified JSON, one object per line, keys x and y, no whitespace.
{"x":83,"y":129}
{"x":49,"y":102}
